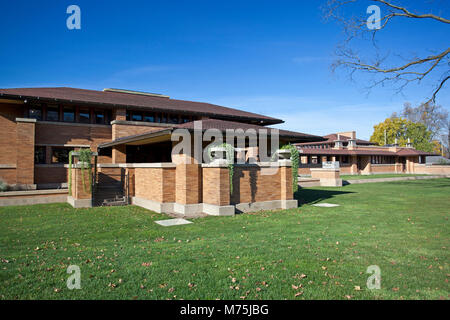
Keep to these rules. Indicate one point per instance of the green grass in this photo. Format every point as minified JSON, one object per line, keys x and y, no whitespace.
{"x":401,"y":226}
{"x":379,"y":176}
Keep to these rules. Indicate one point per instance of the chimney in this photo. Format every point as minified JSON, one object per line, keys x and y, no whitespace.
{"x":338,"y":143}
{"x":352,"y":143}
{"x":409,"y":144}
{"x":395,"y":142}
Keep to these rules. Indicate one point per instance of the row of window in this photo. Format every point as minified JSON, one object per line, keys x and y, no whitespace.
{"x":318,"y":159}
{"x":382,"y":159}
{"x":58,"y":155}
{"x":158,"y":117}
{"x":97,"y":116}
{"x":69,"y":114}
{"x":318,"y":146}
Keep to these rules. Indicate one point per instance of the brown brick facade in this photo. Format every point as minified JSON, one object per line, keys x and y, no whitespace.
{"x":250,"y":184}
{"x":188,"y":183}
{"x":216,"y":186}
{"x":156,"y":184}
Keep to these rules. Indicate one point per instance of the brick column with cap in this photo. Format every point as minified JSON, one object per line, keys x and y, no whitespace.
{"x":25,"y":151}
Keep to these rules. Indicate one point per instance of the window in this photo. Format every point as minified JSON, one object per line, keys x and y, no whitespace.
{"x":99,"y":117}
{"x":172,"y":118}
{"x":39,"y":155}
{"x":35,"y":113}
{"x":68,"y":114}
{"x":136,"y":116}
{"x":128,"y":115}
{"x":149,"y":118}
{"x":185,"y":119}
{"x":344,"y":159}
{"x":84,"y":116}
{"x":60,"y":154}
{"x":163,"y":118}
{"x":52,"y":113}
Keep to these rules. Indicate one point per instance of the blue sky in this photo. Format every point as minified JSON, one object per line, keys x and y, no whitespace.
{"x":270,"y":57}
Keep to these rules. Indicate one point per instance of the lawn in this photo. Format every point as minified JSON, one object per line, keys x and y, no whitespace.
{"x":305,"y":253}
{"x":379,"y":176}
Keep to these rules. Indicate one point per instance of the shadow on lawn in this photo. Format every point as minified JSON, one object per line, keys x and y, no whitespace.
{"x":308,"y":196}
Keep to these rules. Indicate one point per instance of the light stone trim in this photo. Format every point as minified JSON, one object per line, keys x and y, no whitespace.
{"x":266,"y":205}
{"x":79,"y":203}
{"x":32,"y":192}
{"x":153,"y":205}
{"x":187,"y":209}
{"x":73,"y":124}
{"x":26,"y":120}
{"x":8,"y":166}
{"x":215,"y":210}
{"x":33,"y":200}
{"x":137,"y":165}
{"x":142,"y":123}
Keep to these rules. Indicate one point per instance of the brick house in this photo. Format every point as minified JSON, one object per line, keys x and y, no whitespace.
{"x":131,"y":133}
{"x":358,"y":156}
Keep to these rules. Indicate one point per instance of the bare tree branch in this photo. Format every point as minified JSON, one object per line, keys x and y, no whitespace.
{"x":385,"y":70}
{"x":409,"y":14}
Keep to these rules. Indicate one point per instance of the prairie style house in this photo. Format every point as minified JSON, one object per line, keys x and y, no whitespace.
{"x":358,"y":156}
{"x":40,"y":126}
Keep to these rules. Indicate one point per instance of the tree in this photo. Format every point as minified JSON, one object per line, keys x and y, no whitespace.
{"x":433,"y":116}
{"x":402,"y":129}
{"x":384,"y":66}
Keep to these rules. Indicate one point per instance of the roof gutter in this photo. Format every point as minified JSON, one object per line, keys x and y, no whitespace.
{"x":134,"y":138}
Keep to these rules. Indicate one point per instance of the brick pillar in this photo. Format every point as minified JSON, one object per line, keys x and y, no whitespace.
{"x":120,"y":114}
{"x":354,"y":165}
{"x":286,"y":183}
{"x":81,"y":195}
{"x":188,"y":183}
{"x":286,"y":187}
{"x":119,"y":154}
{"x":25,"y":129}
{"x":216,"y":188}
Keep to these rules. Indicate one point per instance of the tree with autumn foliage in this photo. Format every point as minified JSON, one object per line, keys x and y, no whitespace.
{"x":401,"y":129}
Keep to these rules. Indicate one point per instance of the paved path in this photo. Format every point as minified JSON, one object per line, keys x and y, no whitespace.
{"x":308,"y":183}
{"x":357,"y":181}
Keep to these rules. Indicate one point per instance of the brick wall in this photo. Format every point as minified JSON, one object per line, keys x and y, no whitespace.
{"x":8,"y":140}
{"x":188,"y":183}
{"x":156,"y":184}
{"x":123,"y":130}
{"x":431,"y":169}
{"x":382,"y":168}
{"x":216,"y":186}
{"x":250,"y":185}
{"x":25,"y":152}
{"x":75,"y":134}
{"x":80,"y":187}
{"x":45,"y":174}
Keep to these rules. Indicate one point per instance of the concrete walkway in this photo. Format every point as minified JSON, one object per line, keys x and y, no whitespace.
{"x":308,"y":182}
{"x":357,"y":181}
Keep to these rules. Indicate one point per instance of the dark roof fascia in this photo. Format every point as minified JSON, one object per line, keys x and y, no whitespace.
{"x":150,"y":109}
{"x":136,"y":137}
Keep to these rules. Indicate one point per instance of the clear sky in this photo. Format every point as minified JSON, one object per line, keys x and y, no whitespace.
{"x":270,"y":57}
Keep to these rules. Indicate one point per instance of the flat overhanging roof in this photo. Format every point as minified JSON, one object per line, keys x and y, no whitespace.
{"x":140,"y":139}
{"x":221,"y":125}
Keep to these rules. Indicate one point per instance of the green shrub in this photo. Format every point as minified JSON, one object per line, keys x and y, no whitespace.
{"x":295,"y":157}
{"x":3,"y":186}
